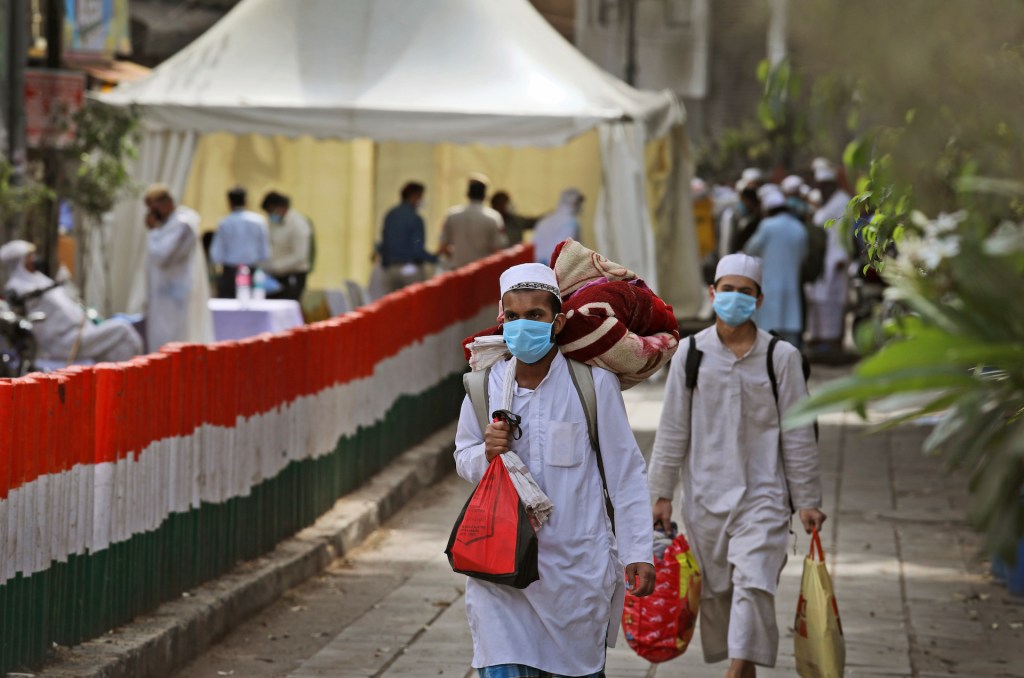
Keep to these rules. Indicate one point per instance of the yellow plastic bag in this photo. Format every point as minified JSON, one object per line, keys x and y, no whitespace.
{"x":817,"y":632}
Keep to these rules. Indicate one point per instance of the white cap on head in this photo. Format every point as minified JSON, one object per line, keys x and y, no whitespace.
{"x":739,"y":264}
{"x":529,"y":277}
{"x":820,"y":162}
{"x":824,"y":173}
{"x":765,"y":189}
{"x":773,"y":199}
{"x":814,"y":197}
{"x":792,"y":184}
{"x":752,"y":174}
{"x":698,"y":187}
{"x":15,"y":252}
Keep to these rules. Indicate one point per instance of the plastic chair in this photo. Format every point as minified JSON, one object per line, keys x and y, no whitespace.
{"x":356,"y":294}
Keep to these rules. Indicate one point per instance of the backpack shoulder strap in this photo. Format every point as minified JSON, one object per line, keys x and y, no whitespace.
{"x":693,"y":358}
{"x":583,"y":380}
{"x":771,"y":367}
{"x":475,"y":384}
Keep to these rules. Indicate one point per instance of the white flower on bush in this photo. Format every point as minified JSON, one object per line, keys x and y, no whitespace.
{"x":1008,"y":237}
{"x":939,"y":240}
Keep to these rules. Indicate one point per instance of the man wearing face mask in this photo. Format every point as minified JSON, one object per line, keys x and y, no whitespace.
{"x":559,"y":625}
{"x":742,"y":476}
{"x":291,"y":237}
{"x":177,"y":288}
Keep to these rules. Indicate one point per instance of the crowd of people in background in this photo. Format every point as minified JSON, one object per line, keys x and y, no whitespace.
{"x":806,"y":265}
{"x":782,"y":221}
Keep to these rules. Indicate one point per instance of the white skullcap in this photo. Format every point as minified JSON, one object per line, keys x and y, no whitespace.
{"x":529,"y":277}
{"x":820,"y":162}
{"x":752,"y":175}
{"x":804,"y":190}
{"x":570,"y":196}
{"x":765,"y":189}
{"x":824,"y":173}
{"x":698,"y":187}
{"x":792,"y":184}
{"x":814,"y":197}
{"x":16,"y":251}
{"x":739,"y":264}
{"x":772,"y":199}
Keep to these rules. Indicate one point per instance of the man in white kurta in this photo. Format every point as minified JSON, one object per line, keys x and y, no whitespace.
{"x":741,"y":475}
{"x":177,"y":294}
{"x":561,"y":624}
{"x":554,"y":228}
{"x":826,"y":296}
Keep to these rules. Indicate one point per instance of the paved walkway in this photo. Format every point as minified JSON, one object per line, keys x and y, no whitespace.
{"x":914,"y":600}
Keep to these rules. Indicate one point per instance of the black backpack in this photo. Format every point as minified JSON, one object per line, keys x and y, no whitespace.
{"x":694,"y":357}
{"x":814,"y":261}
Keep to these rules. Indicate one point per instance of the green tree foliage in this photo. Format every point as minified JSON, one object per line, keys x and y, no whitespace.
{"x":105,"y":141}
{"x":937,"y":105}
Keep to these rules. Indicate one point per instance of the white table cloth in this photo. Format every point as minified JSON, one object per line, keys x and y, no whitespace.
{"x":233,"y":319}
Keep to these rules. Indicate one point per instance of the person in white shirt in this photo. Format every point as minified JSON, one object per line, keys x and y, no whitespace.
{"x":67,"y":334}
{"x":561,"y":624}
{"x":177,"y":290}
{"x":291,"y":238}
{"x":562,"y":223}
{"x":742,"y":476}
{"x":826,"y":296}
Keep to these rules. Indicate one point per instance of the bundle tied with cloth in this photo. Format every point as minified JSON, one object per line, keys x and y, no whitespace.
{"x":613,"y":320}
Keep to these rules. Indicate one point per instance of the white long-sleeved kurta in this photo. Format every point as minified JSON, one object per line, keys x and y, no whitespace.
{"x":738,"y":472}
{"x":177,"y":292}
{"x":826,"y":296}
{"x":561,"y":623}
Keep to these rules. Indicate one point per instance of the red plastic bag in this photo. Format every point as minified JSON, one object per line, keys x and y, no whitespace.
{"x":492,"y":538}
{"x":660,"y":626}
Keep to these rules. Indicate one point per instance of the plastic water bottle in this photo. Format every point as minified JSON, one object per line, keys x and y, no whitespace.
{"x":243,"y":281}
{"x":259,"y":284}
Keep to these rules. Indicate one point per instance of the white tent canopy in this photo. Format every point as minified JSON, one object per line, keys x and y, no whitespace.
{"x":457,"y":71}
{"x":460,"y":71}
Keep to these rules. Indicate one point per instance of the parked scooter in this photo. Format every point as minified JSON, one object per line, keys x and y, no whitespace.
{"x":18,"y":346}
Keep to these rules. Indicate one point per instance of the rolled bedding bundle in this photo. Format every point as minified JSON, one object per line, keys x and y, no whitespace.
{"x":613,"y":320}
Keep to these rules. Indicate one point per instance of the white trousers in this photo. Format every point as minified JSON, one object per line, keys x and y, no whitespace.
{"x":740,"y":624}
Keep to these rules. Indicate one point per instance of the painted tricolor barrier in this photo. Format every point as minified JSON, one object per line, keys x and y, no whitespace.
{"x":124,"y":485}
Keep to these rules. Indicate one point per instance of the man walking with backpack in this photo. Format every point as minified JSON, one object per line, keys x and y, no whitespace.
{"x":575,"y":439}
{"x":742,"y":475}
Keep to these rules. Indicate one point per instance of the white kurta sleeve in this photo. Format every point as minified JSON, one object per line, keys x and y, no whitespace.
{"x":172,"y":244}
{"x":470,"y":458}
{"x":799,"y":449}
{"x":625,"y":472}
{"x":672,"y":440}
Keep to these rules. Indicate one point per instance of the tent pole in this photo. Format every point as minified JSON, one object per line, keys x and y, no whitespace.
{"x":631,"y":42}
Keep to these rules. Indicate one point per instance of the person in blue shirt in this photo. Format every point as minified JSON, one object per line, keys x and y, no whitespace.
{"x":781,"y":242}
{"x":242,"y":239}
{"x":401,"y":247}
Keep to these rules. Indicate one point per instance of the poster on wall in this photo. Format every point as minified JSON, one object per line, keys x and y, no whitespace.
{"x":51,"y":99}
{"x":96,"y":28}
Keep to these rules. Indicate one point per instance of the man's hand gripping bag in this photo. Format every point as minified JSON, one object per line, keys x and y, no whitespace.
{"x":817,"y":632}
{"x":660,"y":626}
{"x":492,"y":538}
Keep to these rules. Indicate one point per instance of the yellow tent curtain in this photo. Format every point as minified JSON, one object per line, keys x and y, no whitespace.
{"x":346,"y":187}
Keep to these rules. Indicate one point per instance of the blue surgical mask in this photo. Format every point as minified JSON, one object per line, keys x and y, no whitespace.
{"x":734,"y":308}
{"x":529,"y":340}
{"x":275,"y":217}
